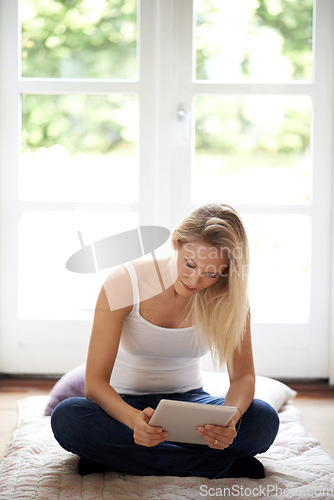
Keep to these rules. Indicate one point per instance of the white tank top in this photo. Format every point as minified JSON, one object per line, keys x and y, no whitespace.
{"x":154,"y":359}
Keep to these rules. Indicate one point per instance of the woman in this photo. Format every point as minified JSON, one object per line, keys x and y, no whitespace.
{"x":153,"y":322}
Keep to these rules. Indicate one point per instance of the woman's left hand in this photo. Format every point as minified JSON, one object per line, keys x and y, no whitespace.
{"x":218,"y":437}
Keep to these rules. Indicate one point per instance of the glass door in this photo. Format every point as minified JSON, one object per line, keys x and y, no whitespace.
{"x":72,"y":171}
{"x":117,"y":113}
{"x":259,"y":93}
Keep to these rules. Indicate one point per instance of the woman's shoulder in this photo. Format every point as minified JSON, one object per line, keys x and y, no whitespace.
{"x":153,"y":275}
{"x":147,"y":267}
{"x":116,"y":274}
{"x":149,"y":262}
{"x":148,"y":277}
{"x":118,"y":288}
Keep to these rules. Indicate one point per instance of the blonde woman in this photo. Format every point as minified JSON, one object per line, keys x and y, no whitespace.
{"x":153,"y":322}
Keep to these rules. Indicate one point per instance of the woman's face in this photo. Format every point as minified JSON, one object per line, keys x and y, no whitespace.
{"x":199,"y":265}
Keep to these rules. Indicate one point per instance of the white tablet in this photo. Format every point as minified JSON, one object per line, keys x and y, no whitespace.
{"x":181,"y":419}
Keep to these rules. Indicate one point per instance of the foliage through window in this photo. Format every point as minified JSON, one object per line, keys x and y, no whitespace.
{"x":79,"y":38}
{"x":254,"y":40}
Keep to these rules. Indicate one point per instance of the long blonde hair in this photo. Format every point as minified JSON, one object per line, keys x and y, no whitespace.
{"x":220,"y":311}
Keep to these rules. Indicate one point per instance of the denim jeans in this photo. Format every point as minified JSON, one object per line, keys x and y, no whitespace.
{"x":83,"y":428}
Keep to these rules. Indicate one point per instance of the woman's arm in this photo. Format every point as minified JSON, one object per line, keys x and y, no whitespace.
{"x":102,"y":352}
{"x":242,"y":376}
{"x":240,"y":393}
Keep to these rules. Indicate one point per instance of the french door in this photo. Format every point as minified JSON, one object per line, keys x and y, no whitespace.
{"x":121,"y":113}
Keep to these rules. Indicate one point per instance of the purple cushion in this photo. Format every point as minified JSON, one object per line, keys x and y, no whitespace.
{"x":71,"y":384}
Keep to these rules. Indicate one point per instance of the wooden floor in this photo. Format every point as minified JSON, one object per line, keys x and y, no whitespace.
{"x":316,"y":404}
{"x":315,"y":401}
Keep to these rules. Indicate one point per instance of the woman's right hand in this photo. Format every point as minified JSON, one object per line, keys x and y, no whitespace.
{"x":146,"y":434}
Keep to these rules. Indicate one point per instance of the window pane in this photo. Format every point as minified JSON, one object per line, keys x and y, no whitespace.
{"x":252,"y":149}
{"x":47,"y":290}
{"x":79,"y":148}
{"x":79,"y":38}
{"x":280,"y":249}
{"x":263,"y":40}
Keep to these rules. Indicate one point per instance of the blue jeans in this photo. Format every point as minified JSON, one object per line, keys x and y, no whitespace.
{"x":83,"y":428}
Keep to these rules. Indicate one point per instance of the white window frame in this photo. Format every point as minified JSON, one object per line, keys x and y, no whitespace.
{"x":282,"y":350}
{"x":166,"y":37}
{"x":40,"y":346}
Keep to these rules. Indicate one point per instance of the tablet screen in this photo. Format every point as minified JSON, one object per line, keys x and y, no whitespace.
{"x":181,"y":419}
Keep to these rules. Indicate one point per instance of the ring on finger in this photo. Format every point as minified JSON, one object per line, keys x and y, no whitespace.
{"x":215,"y":442}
